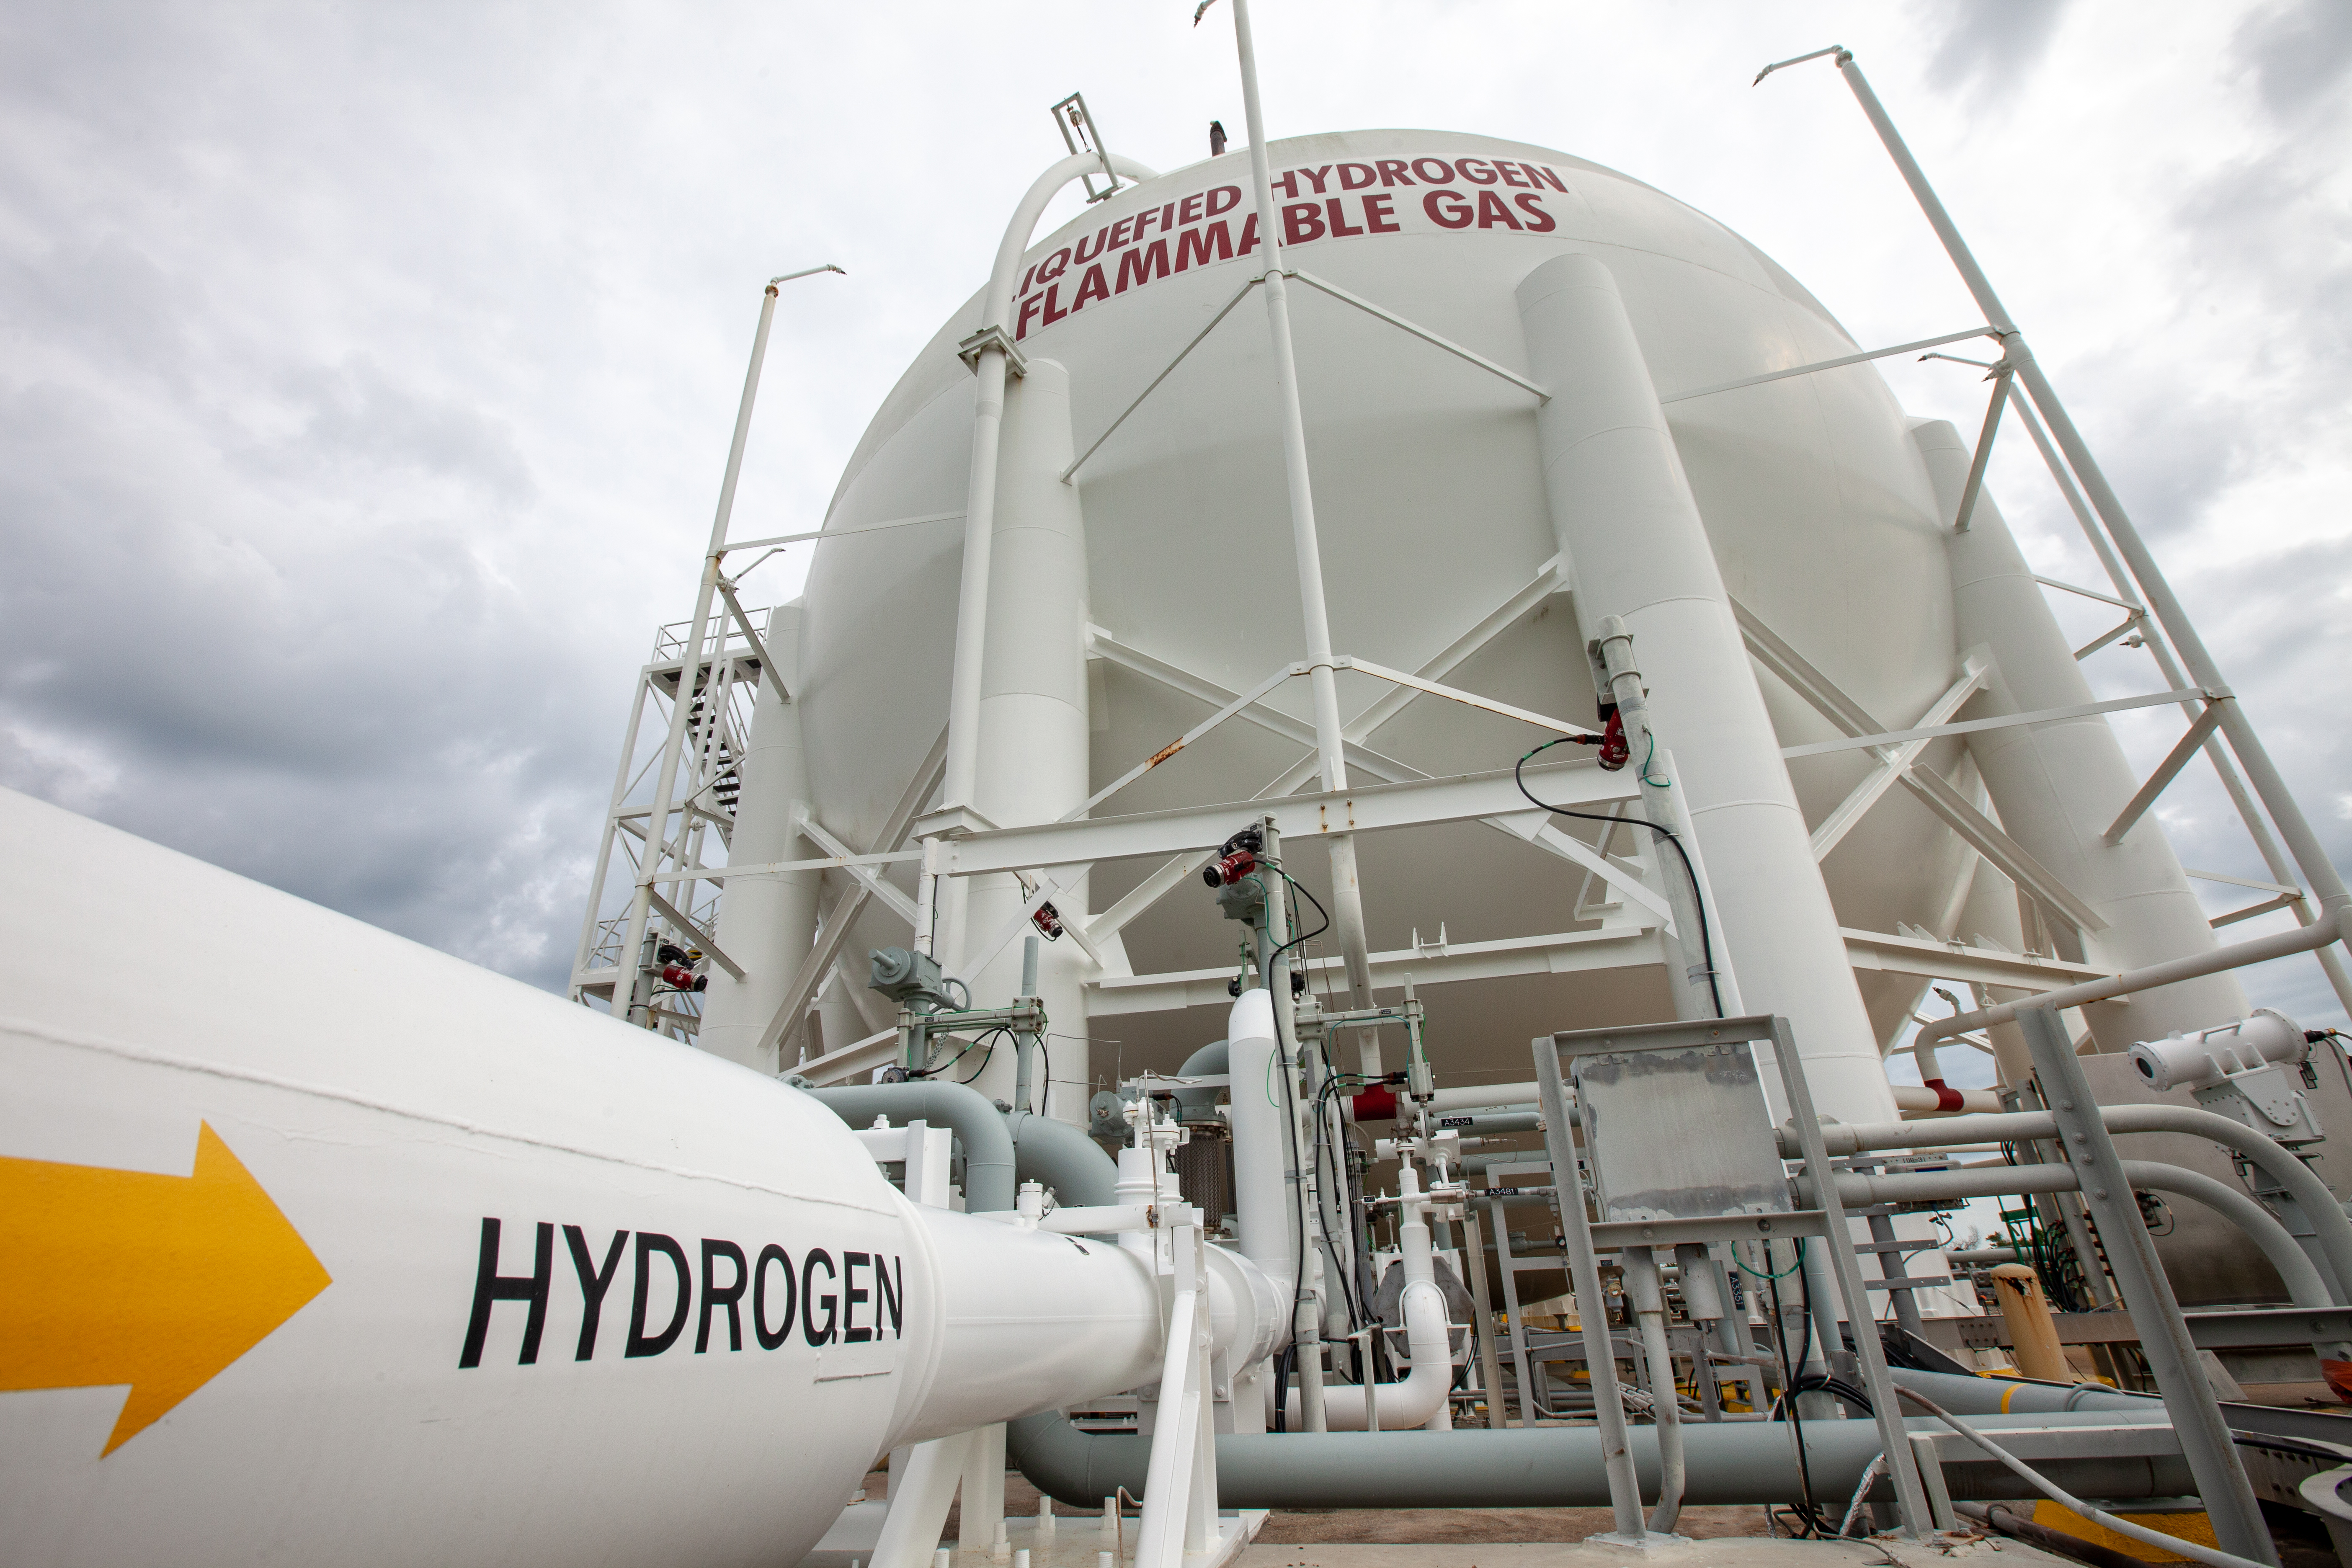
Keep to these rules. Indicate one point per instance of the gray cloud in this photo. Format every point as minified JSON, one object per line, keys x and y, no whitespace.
{"x":2297,"y":51}
{"x":1991,"y":47}
{"x":367,"y":374}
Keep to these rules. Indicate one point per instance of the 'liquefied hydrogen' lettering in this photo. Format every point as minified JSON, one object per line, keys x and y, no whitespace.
{"x":720,"y":1287}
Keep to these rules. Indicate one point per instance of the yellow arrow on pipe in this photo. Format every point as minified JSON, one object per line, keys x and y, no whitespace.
{"x":121,"y":1277}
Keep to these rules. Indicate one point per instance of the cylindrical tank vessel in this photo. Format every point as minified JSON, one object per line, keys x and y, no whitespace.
{"x":403,"y":1261}
{"x":1823,"y":517}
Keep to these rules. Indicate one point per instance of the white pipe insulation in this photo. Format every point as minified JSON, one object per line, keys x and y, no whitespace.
{"x":398,"y":1260}
{"x":1034,"y":747}
{"x":1262,"y":1200}
{"x":966,"y":674}
{"x":1622,"y":512}
{"x":1420,"y":1399}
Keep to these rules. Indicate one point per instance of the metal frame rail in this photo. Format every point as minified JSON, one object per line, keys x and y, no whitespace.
{"x":1827,"y":1220}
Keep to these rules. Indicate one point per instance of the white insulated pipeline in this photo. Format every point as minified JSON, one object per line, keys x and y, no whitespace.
{"x":968,"y":674}
{"x":418,"y":1263}
{"x":1420,"y":1399}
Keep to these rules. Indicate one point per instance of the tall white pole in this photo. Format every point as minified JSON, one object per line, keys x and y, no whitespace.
{"x":1347,"y":897}
{"x":2310,"y":855}
{"x":626,"y":985}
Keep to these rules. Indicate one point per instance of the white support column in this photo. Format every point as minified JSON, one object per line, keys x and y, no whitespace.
{"x":767,"y":922}
{"x":2059,"y":786}
{"x":1035,"y":746}
{"x":1625,"y":518}
{"x":982,"y":1514}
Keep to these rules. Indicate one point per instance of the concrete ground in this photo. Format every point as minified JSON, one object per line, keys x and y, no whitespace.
{"x":1724,"y":1551}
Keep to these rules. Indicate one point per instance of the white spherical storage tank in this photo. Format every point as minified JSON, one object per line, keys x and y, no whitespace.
{"x":1468,"y":527}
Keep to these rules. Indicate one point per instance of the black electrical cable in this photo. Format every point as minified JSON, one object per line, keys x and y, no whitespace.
{"x":1322,"y":1106}
{"x":1705,"y":937}
{"x":1311,"y":898}
{"x":1045,"y":1087}
{"x":1788,"y":1379}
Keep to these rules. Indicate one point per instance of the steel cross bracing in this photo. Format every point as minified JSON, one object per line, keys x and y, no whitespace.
{"x":1957,"y":812}
{"x":2220,"y":728}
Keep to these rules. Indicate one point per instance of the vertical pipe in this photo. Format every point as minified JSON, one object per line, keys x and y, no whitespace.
{"x":1307,"y":1334}
{"x":1347,"y":896}
{"x":2309,"y":854}
{"x":1906,"y":1307}
{"x":2031,"y":1333}
{"x":2205,"y":1439}
{"x":1490,"y":1369}
{"x":972,"y":597}
{"x":1893,"y":1443}
{"x":1641,"y":1266}
{"x":1693,"y":978}
{"x":1030,"y":725}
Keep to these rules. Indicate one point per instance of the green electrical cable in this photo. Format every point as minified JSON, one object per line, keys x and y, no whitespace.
{"x":1783,"y":1274}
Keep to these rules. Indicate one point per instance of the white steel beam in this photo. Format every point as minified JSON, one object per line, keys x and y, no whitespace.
{"x":852,"y":1060}
{"x":900,"y":903}
{"x":1612,"y":947}
{"x":1239,"y":295}
{"x":1372,"y":809}
{"x":1423,"y":333}
{"x":1956,"y":961}
{"x":1828,"y":364}
{"x":852,"y":903}
{"x":1528,"y":826}
{"x":821,"y":863}
{"x":1957,"y":812}
{"x":2166,"y":771}
{"x":1548,"y":580}
{"x":1468,"y":698}
{"x":2243,"y":881}
{"x":1893,"y":763}
{"x":2010,"y":722}
{"x":696,"y":934}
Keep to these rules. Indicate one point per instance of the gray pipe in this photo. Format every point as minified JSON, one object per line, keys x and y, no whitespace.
{"x":987,"y":1146}
{"x":2326,"y":1216}
{"x":1641,"y":1267}
{"x":2302,"y":1279}
{"x":1064,"y":1158}
{"x":1963,"y":1393}
{"x":1731,"y":1462}
{"x":1200,"y":1104}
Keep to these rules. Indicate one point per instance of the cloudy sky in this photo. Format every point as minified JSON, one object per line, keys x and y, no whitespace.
{"x":366,"y":371}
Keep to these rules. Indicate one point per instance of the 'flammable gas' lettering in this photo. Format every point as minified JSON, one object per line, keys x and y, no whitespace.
{"x":779,"y":1292}
{"x":1121,"y":255}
